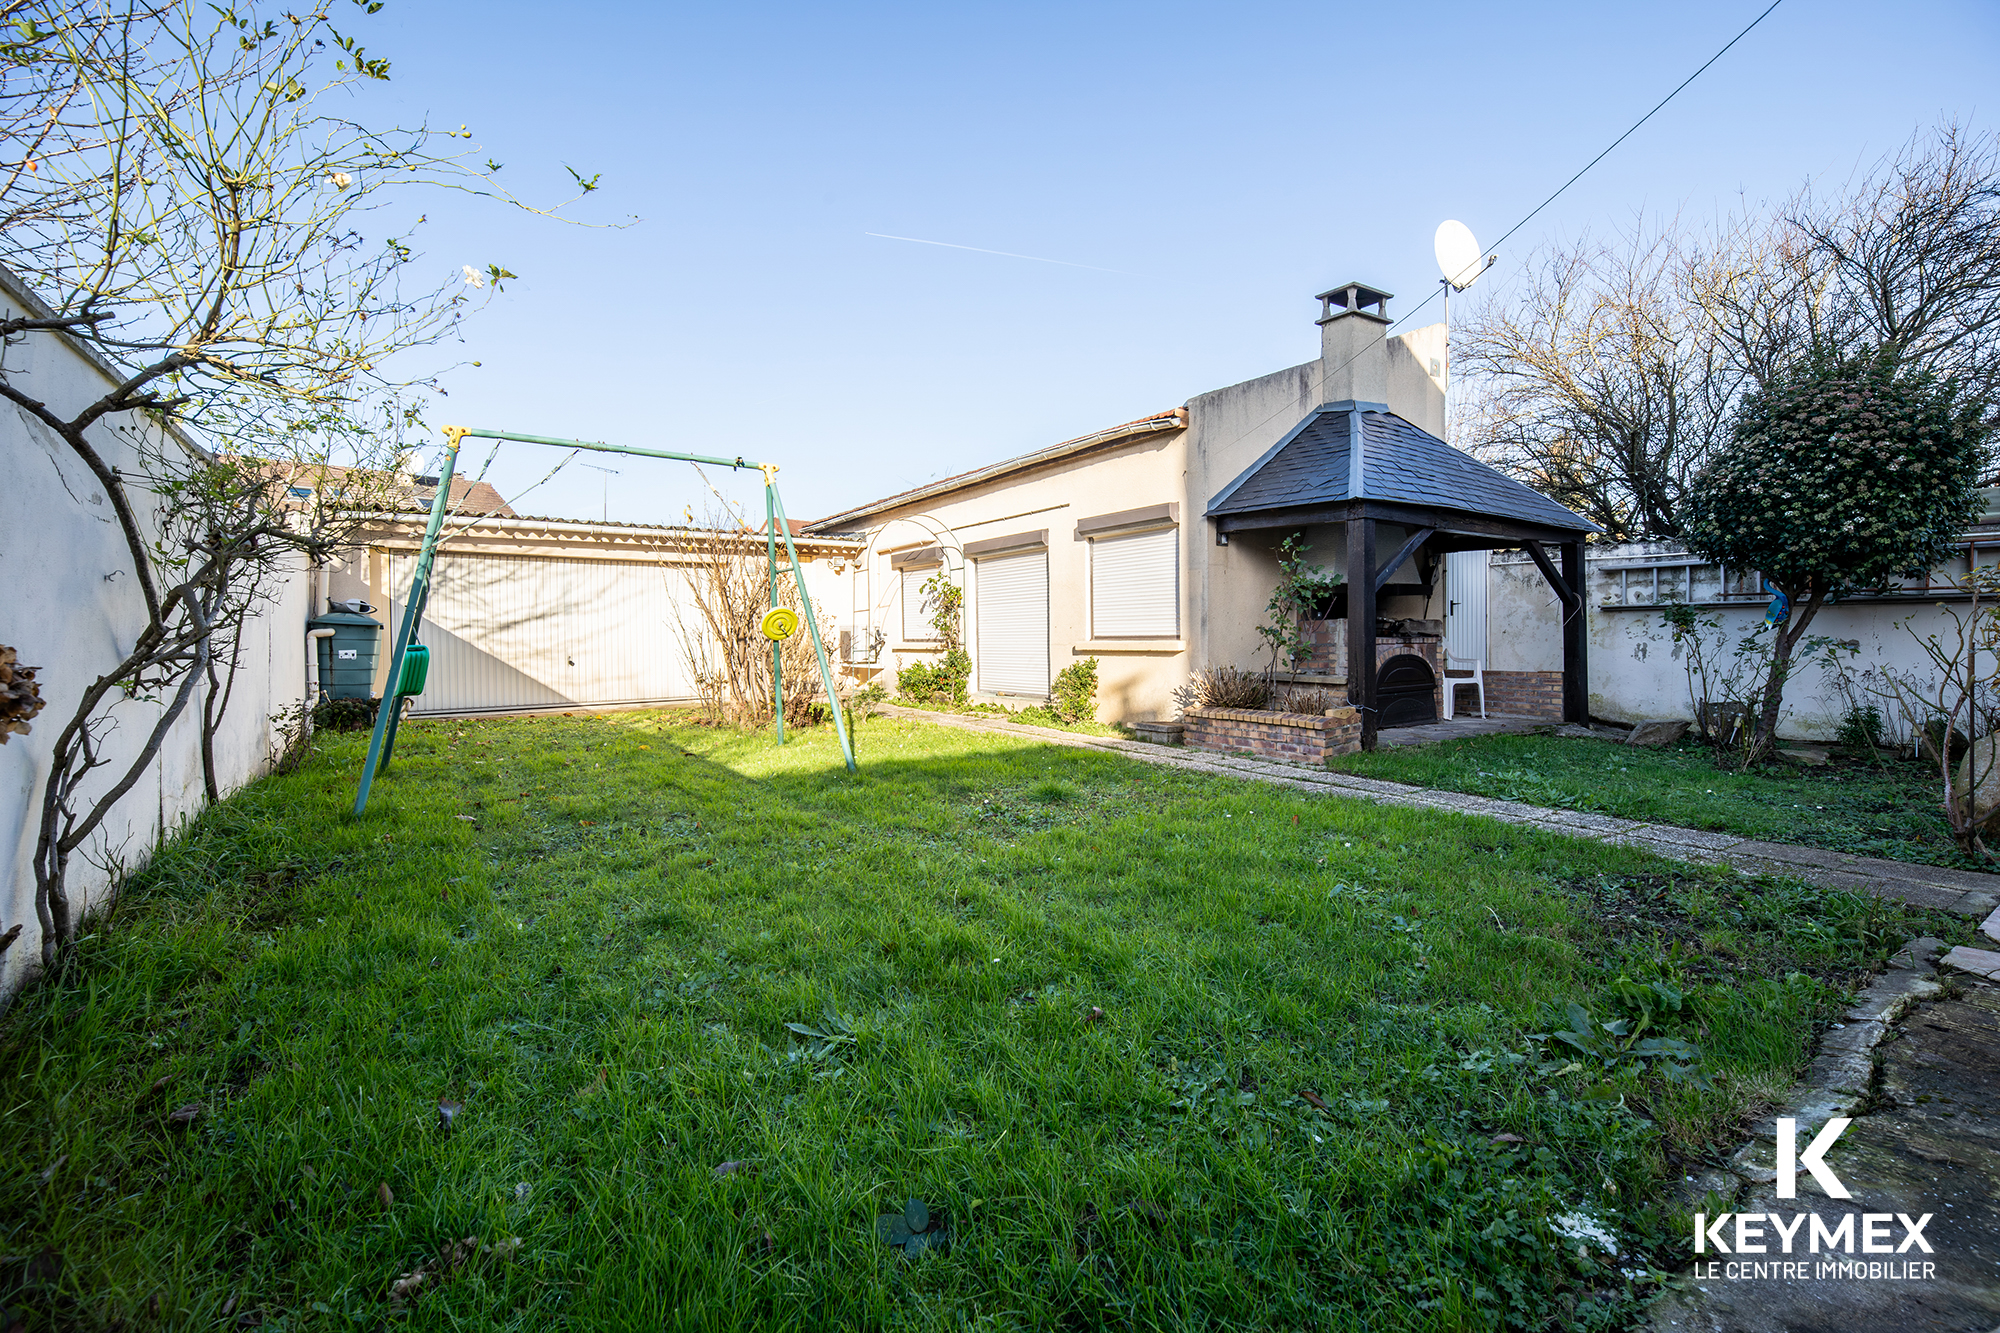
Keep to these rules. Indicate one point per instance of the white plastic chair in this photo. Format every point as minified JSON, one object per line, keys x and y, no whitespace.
{"x":1453,"y":684}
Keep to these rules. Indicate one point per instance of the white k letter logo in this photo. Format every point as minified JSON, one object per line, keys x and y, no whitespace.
{"x":1813,"y":1159}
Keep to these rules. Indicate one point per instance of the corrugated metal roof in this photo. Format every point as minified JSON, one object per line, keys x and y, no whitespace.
{"x":1349,"y":450}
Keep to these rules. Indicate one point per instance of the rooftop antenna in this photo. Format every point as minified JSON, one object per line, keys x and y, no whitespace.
{"x":1461,"y":262}
{"x":605,"y":500}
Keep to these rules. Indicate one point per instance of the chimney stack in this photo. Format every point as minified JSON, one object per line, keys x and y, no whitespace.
{"x":1353,"y":332}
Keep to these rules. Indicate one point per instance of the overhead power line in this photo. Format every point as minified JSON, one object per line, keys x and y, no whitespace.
{"x":1615,"y":142}
{"x":1637,"y":123}
{"x":1418,"y":307}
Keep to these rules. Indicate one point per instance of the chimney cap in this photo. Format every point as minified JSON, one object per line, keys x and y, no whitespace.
{"x":1354,"y":298}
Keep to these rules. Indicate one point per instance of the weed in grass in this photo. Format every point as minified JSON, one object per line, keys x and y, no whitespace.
{"x":1167,"y":1050}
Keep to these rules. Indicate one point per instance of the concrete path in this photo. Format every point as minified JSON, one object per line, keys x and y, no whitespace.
{"x":1966,"y":893}
{"x":1922,"y":1086}
{"x":1460,"y":727}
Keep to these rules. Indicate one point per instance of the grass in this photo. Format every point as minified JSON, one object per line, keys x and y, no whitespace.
{"x":1157,"y":1049}
{"x":1886,"y":809}
{"x":1034,"y":715}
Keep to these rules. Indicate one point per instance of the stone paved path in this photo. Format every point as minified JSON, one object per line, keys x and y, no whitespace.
{"x":1925,"y":1139}
{"x":1966,"y":893}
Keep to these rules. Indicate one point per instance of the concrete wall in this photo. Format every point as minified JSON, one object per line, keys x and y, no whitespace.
{"x":1223,"y":589}
{"x":72,"y":608}
{"x":1636,"y":670}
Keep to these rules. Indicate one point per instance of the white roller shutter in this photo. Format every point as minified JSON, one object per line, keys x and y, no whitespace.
{"x":1135,"y":589}
{"x":1013,"y":623}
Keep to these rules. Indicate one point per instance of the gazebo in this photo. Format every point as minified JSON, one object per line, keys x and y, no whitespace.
{"x":1359,"y":464}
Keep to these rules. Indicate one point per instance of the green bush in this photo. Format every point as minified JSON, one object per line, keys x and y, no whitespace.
{"x":1861,"y":728}
{"x":344,"y":714}
{"x":1076,"y":692}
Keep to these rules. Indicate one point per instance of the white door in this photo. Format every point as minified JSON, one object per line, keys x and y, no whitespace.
{"x":1012,"y":622}
{"x":1465,"y":613}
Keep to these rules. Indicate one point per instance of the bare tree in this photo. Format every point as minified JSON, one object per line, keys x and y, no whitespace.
{"x":729,"y":578}
{"x":1956,"y":695}
{"x":188,"y":199}
{"x":1912,"y":258}
{"x":1598,"y":382}
{"x":1606,"y":375}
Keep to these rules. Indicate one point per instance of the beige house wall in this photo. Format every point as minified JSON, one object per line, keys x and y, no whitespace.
{"x":1223,"y":589}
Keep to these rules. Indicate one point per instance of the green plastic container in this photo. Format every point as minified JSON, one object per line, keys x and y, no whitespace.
{"x":416,"y":667}
{"x":347,"y":660}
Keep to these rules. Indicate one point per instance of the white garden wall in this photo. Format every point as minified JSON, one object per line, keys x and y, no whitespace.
{"x":1636,"y":671}
{"x":71,"y":608}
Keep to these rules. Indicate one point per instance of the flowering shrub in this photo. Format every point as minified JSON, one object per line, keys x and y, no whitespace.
{"x":1845,"y":472}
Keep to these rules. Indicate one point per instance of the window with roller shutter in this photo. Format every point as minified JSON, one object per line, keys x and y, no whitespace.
{"x":1135,"y":590}
{"x":1012,"y":623}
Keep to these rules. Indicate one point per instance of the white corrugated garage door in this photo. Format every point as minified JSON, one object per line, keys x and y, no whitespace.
{"x":1013,"y":623}
{"x":1135,"y":590}
{"x":506,"y":632}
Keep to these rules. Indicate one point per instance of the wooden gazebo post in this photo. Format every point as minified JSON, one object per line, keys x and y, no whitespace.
{"x":1361,"y":619}
{"x":1568,"y":585}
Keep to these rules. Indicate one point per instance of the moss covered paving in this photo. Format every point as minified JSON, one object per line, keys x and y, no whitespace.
{"x":1151,"y":1048}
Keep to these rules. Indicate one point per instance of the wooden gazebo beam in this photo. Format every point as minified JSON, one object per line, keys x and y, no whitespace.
{"x":1455,"y":530}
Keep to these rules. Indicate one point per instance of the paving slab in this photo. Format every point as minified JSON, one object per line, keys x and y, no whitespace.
{"x":1928,"y":1145}
{"x":1978,"y":962}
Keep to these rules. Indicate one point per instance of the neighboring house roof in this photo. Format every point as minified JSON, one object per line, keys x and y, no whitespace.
{"x":1152,"y":425}
{"x":1363,"y":451}
{"x":467,"y":497}
{"x":369,"y":487}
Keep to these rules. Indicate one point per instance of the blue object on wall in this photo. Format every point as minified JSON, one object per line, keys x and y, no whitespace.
{"x":1780,"y":609}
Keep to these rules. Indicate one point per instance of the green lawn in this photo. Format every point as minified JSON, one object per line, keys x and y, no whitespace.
{"x":1158,"y":1049}
{"x":1888,"y":808}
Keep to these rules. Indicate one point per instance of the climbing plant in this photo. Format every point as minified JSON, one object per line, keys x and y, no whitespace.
{"x":946,"y":680}
{"x":1303,"y":592}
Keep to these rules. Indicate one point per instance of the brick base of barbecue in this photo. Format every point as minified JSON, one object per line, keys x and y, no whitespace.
{"x":1299,"y":738}
{"x":1521,"y":693}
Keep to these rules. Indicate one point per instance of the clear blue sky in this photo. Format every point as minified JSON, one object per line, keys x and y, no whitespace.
{"x":1226,"y":161}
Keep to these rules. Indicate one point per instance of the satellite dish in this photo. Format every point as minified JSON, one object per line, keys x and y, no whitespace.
{"x":1458,"y":255}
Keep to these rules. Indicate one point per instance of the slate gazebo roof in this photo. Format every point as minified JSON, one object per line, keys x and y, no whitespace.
{"x":1359,"y":464}
{"x":1349,"y":451}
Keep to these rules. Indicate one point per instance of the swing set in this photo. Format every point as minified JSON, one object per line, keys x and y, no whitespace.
{"x":409,"y":661}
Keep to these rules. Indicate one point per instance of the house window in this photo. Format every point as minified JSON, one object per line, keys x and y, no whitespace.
{"x":917,"y":627}
{"x":1012,"y":623}
{"x":1135,"y":590}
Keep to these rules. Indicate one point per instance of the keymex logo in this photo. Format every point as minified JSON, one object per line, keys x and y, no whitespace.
{"x":1813,"y":1159}
{"x":1808,"y":1232}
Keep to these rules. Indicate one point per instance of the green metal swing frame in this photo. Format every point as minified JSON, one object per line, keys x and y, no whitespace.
{"x":382,"y":744}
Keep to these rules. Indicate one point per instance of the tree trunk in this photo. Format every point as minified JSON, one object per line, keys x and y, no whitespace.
{"x":1764,"y":742}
